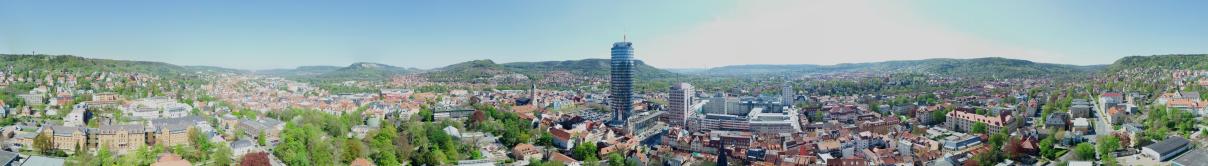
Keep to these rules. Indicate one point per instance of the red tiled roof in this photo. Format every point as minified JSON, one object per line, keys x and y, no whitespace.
{"x":989,"y":120}
{"x":560,"y":134}
{"x":1113,"y":110}
{"x":562,"y":158}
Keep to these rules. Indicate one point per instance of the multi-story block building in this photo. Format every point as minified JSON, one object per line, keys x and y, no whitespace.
{"x":680,"y":104}
{"x":771,"y":123}
{"x":964,"y":121}
{"x":66,"y":138}
{"x":172,"y":134}
{"x":118,"y":138}
{"x":725,"y":122}
{"x":1081,"y":108}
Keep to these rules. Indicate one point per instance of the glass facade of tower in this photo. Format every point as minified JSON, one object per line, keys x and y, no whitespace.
{"x":622,"y":82}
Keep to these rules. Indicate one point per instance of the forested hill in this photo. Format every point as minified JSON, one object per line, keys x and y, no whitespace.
{"x":215,"y":69}
{"x":1174,"y":61}
{"x":586,"y":67}
{"x":978,"y":67}
{"x":68,"y":63}
{"x":355,"y":71}
{"x":466,"y":71}
{"x":299,"y":71}
{"x":483,"y":69}
{"x":365,"y":71}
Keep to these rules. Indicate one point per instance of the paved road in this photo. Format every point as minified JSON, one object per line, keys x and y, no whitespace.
{"x":1101,"y":128}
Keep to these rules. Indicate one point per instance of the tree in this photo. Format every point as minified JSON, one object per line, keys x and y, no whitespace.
{"x":940,"y":116}
{"x":255,"y":159}
{"x":144,"y":155}
{"x":321,"y":152}
{"x":262,"y":139}
{"x":1046,"y":148}
{"x":404,"y":148}
{"x":43,"y":143}
{"x":386,"y":157}
{"x":80,"y":159}
{"x":583,"y":150}
{"x":437,"y":156}
{"x":997,"y":140}
{"x":104,"y":156}
{"x":987,"y":158}
{"x":1125,"y":140}
{"x":1014,"y":148}
{"x":615,"y":159}
{"x":222,"y":156}
{"x":425,"y":115}
{"x":201,"y":145}
{"x":1110,"y":161}
{"x":979,"y":128}
{"x":293,"y":148}
{"x":591,"y":161}
{"x":352,"y":150}
{"x":546,"y":139}
{"x":383,"y":142}
{"x":1107,"y":146}
{"x":1085,"y":151}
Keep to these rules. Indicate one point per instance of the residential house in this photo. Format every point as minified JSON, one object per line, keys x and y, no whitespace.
{"x":565,"y":160}
{"x":1082,"y":126}
{"x":562,"y":139}
{"x":525,"y":151}
{"x":1110,"y":99}
{"x":1116,"y":114}
{"x":1080,"y":111}
{"x":1057,"y":120}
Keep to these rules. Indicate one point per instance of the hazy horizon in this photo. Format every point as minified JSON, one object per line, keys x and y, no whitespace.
{"x":666,"y":34}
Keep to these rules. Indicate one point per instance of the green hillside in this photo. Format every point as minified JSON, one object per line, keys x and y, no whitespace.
{"x":364,"y":71}
{"x":586,"y":67}
{"x":1174,"y":61}
{"x":978,"y":67}
{"x":467,"y":71}
{"x":77,"y":64}
{"x":215,"y":69}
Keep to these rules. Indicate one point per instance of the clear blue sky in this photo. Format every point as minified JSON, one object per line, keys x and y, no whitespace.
{"x":428,"y":34}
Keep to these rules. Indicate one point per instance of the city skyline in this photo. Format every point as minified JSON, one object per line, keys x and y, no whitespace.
{"x":433,"y":34}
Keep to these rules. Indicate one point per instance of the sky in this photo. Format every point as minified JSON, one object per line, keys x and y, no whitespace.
{"x":667,"y":34}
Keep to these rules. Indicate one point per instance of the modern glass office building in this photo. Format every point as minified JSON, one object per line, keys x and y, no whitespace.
{"x":622,"y":82}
